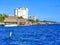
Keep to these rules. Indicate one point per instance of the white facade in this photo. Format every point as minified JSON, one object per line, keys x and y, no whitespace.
{"x":22,"y":12}
{"x":32,"y":17}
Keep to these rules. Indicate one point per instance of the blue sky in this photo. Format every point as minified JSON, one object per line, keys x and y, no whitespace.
{"x":43,"y":9}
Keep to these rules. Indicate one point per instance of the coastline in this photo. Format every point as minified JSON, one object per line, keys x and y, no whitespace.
{"x":2,"y":24}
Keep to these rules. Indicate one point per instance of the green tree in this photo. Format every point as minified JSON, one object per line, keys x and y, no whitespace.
{"x":31,"y":20}
{"x":20,"y":17}
{"x":2,"y":17}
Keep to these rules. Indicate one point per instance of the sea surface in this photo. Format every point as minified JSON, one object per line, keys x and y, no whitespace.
{"x":31,"y":35}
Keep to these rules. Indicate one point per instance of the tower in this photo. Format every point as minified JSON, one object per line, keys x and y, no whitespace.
{"x":21,"y":12}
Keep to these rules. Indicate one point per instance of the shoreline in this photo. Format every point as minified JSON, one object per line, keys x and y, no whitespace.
{"x":24,"y":25}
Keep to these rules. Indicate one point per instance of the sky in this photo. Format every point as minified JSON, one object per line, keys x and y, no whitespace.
{"x":42,"y":9}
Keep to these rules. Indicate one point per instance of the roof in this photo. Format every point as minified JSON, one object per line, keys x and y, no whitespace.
{"x":11,"y":19}
{"x":22,"y":20}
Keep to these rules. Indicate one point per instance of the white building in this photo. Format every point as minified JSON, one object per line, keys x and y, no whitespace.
{"x":32,"y":17}
{"x":21,"y":12}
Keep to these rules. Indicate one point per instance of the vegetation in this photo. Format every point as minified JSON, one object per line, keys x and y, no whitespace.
{"x":37,"y":20}
{"x":31,"y":20}
{"x":48,"y":21}
{"x":20,"y":17}
{"x":2,"y":17}
{"x":34,"y":21}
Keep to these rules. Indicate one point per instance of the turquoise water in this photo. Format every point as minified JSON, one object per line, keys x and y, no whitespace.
{"x":31,"y":35}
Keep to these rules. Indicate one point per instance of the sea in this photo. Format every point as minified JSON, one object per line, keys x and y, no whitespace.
{"x":44,"y":34}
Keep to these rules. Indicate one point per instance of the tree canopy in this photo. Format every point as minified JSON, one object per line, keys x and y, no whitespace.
{"x":2,"y":17}
{"x":20,"y":17}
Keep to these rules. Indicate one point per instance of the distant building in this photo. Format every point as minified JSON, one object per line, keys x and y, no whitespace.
{"x":15,"y":20}
{"x":32,"y":17}
{"x":21,"y":12}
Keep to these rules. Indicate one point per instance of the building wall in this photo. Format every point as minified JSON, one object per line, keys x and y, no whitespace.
{"x":22,"y":12}
{"x":32,"y":17}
